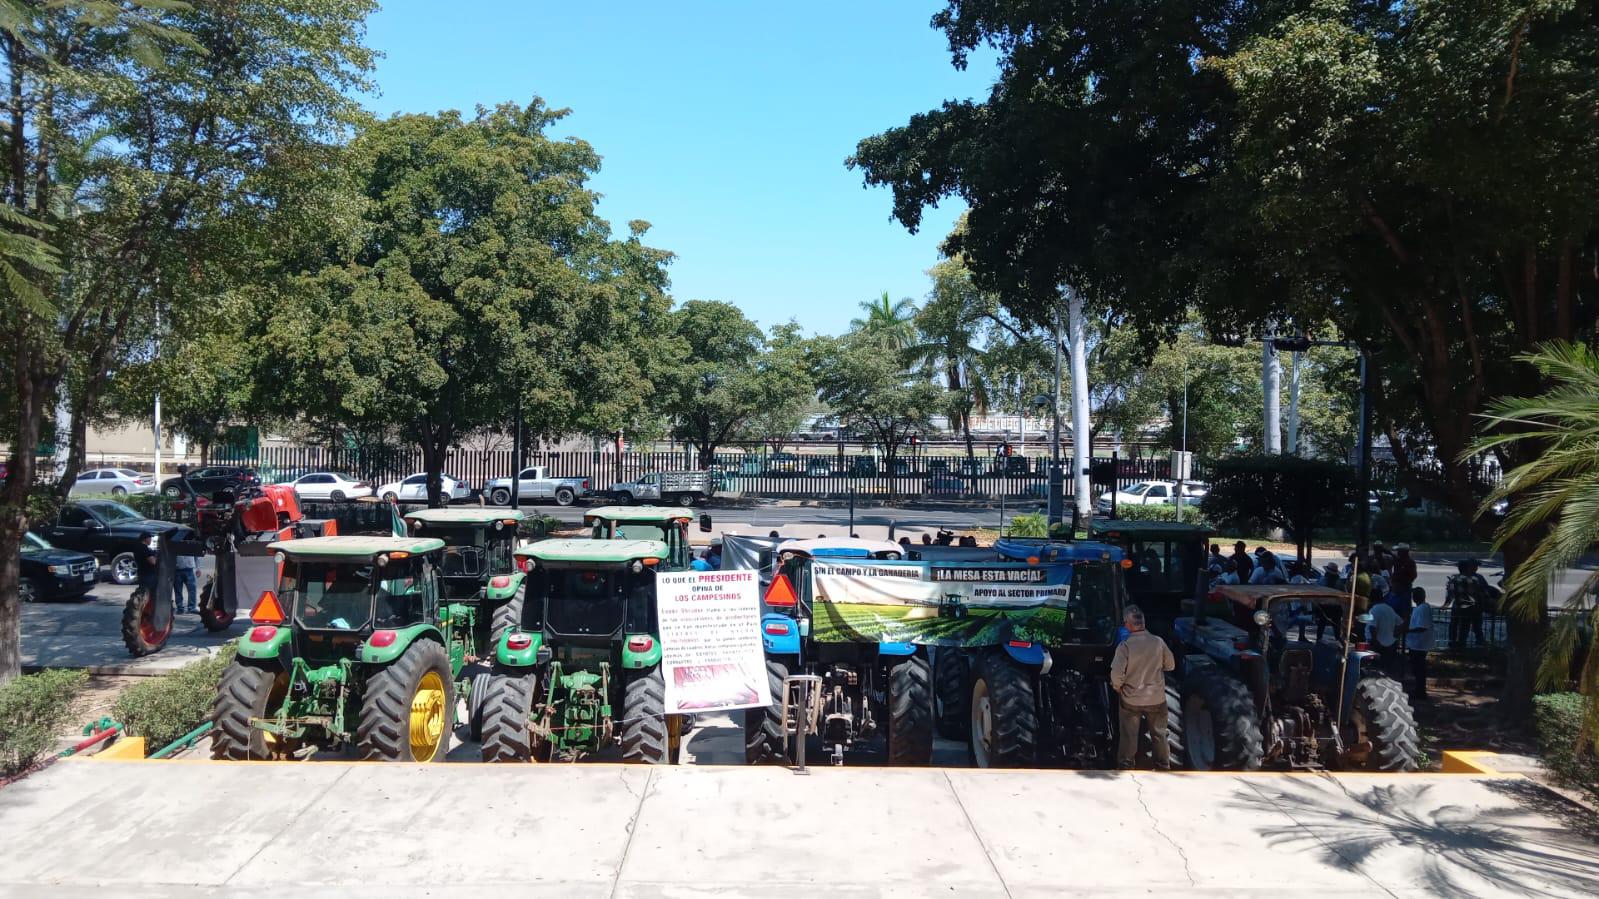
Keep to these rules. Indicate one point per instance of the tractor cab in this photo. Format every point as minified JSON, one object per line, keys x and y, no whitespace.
{"x":669,"y":526}
{"x":478,"y":543}
{"x":337,"y":592}
{"x":591,"y":592}
{"x":1168,"y":565}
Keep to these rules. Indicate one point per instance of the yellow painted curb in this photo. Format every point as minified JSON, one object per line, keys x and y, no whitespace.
{"x":1462,"y":762}
{"x":125,"y":749}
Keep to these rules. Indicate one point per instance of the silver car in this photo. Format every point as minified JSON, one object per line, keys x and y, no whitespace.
{"x":117,"y":482}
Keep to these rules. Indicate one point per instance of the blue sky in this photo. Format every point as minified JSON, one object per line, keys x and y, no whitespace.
{"x":723,"y":124}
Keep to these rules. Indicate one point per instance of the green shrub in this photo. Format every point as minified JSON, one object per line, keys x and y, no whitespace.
{"x":538,"y":526}
{"x":1032,"y":524}
{"x":1557,"y":720}
{"x":33,"y":709}
{"x":1191,"y":513}
{"x":162,"y":709}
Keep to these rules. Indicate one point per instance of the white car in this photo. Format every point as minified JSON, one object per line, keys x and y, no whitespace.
{"x":112,"y":481}
{"x":1151,"y":493}
{"x":329,"y":485}
{"x":414,"y":489}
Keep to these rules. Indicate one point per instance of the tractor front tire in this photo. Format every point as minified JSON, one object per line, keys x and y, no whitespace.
{"x":405,"y":715}
{"x":1221,"y":731}
{"x":910,"y":713}
{"x":644,"y":718}
{"x":763,"y":728}
{"x":248,"y":689}
{"x":212,"y":615}
{"x":506,"y":616}
{"x":507,"y":709}
{"x":952,"y":690}
{"x":139,"y":631}
{"x":1383,"y":712}
{"x":1004,"y":716}
{"x":476,"y":696}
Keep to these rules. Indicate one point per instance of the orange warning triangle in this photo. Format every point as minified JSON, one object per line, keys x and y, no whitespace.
{"x":781,"y":592}
{"x":267,"y":610}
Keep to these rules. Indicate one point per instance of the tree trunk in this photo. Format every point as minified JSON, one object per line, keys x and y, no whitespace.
{"x":1526,"y":638}
{"x":433,"y":464}
{"x":707,"y":455}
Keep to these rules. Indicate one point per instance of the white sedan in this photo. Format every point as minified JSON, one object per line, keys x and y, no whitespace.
{"x":414,"y":489}
{"x":329,"y":485}
{"x":113,"y":481}
{"x":1151,"y":493}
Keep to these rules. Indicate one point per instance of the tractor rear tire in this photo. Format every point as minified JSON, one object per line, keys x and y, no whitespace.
{"x":212,"y":615}
{"x":476,"y":696}
{"x":506,"y":616}
{"x":644,"y":718}
{"x":763,"y":728}
{"x":952,"y":690}
{"x":139,"y":631}
{"x":1221,"y":731}
{"x":910,"y":713}
{"x":406,"y":712}
{"x":1381,"y":705}
{"x":1004,"y":716}
{"x":1174,"y":723}
{"x":248,"y":689}
{"x":507,"y":709}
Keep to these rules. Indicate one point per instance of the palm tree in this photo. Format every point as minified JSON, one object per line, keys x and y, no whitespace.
{"x":1556,"y":498}
{"x":947,"y":327}
{"x":893,"y":321}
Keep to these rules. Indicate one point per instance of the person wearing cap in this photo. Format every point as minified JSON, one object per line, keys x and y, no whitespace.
{"x":1464,"y":596}
{"x":1330,"y":577}
{"x":1269,"y":572}
{"x":1404,"y":572}
{"x":1242,"y":561}
{"x":1138,"y":675}
{"x":1381,"y":558}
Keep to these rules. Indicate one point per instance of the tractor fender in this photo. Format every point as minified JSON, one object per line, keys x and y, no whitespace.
{"x":404,"y":637}
{"x":526,"y":657}
{"x":511,"y":584}
{"x":780,"y":635}
{"x":896,"y":649}
{"x":1031,"y":654}
{"x":264,"y":642}
{"x":635,"y":659}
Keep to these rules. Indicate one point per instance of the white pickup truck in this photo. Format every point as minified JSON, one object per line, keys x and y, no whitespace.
{"x":535,"y":483}
{"x":681,"y":488}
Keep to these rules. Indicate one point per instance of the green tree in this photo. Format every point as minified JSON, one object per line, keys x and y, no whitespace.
{"x":892,"y":321}
{"x":873,"y":392}
{"x":481,"y":270}
{"x":142,"y":143}
{"x":787,"y":392}
{"x":948,"y":328}
{"x":718,"y":386}
{"x":1555,"y":497}
{"x":1301,"y":496}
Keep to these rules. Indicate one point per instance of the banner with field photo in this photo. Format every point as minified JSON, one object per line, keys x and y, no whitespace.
{"x":936,"y":604}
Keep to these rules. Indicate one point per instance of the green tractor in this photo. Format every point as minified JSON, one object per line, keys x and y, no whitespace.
{"x":480,"y":585}
{"x":583,"y":672}
{"x":670,"y":526}
{"x":351,"y":648}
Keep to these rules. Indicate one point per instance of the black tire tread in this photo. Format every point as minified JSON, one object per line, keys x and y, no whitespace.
{"x":910,"y":713}
{"x":1239,"y":745}
{"x":952,"y":686}
{"x":507,"y":707}
{"x":242,"y":694}
{"x":132,"y":611}
{"x":383,"y":731}
{"x":763,"y":728}
{"x":644,"y":740}
{"x":1015,"y":714}
{"x":1174,"y":722}
{"x":1391,"y":725}
{"x":506,"y":616}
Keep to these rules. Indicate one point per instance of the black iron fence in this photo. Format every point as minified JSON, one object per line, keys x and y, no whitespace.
{"x":815,"y":473}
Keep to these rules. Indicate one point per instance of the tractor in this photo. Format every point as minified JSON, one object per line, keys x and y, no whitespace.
{"x":352,"y":647}
{"x":1042,"y":695}
{"x":848,"y":686}
{"x":1168,"y":565}
{"x":1277,"y":679}
{"x":478,"y":575}
{"x":582,"y":670}
{"x":668,"y":525}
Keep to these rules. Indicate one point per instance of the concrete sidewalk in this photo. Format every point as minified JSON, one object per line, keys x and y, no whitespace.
{"x":339,"y":829}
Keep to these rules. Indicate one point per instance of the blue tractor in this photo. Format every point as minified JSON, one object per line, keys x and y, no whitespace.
{"x":1275,"y":675}
{"x":847,"y":690}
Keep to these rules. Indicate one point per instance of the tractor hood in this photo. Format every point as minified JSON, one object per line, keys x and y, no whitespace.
{"x":592,"y":552}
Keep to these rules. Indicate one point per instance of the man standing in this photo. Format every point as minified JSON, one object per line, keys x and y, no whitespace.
{"x":1245,"y":563}
{"x":1404,"y":572}
{"x":1383,"y":632}
{"x":148,"y":563}
{"x":183,"y":579}
{"x":1418,"y":642}
{"x":1464,"y":596}
{"x":1138,"y":675}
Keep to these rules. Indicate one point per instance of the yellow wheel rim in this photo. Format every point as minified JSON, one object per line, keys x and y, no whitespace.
{"x":427,"y":717}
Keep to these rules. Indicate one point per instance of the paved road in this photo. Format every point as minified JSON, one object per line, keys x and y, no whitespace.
{"x":181,"y":829}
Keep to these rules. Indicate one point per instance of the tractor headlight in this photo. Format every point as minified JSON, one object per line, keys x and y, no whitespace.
{"x":383,"y":559}
{"x":637,"y":566}
{"x":280,"y":558}
{"x":1262,"y":618}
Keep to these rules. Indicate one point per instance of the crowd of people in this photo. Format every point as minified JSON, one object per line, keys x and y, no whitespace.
{"x":1400,"y":623}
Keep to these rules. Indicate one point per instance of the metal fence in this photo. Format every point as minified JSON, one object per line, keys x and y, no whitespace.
{"x":1492,"y":632}
{"x":814,"y":474}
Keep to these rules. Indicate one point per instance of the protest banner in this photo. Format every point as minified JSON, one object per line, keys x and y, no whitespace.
{"x":711,"y":656}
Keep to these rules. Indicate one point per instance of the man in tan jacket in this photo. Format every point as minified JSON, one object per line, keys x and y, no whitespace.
{"x":1138,"y":675}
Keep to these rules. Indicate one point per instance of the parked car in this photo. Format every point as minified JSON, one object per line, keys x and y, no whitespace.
{"x":110,"y":531}
{"x":946,"y":484}
{"x":784,"y":463}
{"x":414,"y":489}
{"x":1151,"y":493}
{"x":50,"y":573}
{"x":677,"y":488}
{"x":750,"y":467}
{"x":209,"y":480}
{"x":535,"y":483}
{"x":116,"y":482}
{"x":329,"y":485}
{"x":863,"y":467}
{"x":819,"y":468}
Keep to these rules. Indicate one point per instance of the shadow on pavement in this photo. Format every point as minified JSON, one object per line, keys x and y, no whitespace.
{"x":1412,"y":834}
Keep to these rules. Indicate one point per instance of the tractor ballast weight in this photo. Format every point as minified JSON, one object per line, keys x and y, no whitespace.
{"x":1257,"y":689}
{"x":580,"y":671}
{"x":351,"y":648}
